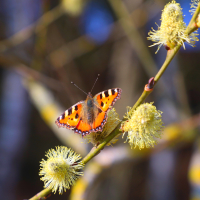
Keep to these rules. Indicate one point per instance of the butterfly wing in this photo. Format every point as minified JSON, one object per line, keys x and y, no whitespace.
{"x":83,"y":128}
{"x":105,"y":100}
{"x":71,"y":117}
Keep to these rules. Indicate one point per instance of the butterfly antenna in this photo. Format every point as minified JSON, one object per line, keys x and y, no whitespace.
{"x":79,"y":88}
{"x":95,"y":82}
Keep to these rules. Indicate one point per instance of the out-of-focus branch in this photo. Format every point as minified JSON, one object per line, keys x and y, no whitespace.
{"x":27,"y":72}
{"x":134,"y":36}
{"x":36,"y":27}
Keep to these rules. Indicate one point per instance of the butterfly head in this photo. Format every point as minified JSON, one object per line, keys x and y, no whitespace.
{"x":89,"y":96}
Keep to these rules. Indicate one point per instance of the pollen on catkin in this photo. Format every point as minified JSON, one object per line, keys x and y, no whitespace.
{"x":172,"y":29}
{"x":112,"y":121}
{"x":143,"y":126}
{"x":194,"y":5}
{"x":61,"y":169}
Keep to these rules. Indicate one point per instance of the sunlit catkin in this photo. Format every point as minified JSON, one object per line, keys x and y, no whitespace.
{"x":172,"y":29}
{"x":143,"y":126}
{"x":61,"y":169}
{"x":194,"y":5}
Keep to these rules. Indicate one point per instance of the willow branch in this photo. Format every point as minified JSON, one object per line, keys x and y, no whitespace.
{"x":41,"y":195}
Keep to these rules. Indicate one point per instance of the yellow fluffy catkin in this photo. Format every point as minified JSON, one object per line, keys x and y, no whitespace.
{"x":143,"y":126}
{"x":172,"y":29}
{"x":61,"y":169}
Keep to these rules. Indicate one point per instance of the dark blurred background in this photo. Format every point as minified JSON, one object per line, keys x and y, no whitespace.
{"x":44,"y":45}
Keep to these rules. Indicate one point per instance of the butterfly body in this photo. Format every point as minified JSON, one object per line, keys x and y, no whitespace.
{"x":89,"y":115}
{"x":90,"y":110}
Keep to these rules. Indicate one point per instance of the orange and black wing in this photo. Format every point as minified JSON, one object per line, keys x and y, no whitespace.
{"x":105,"y":100}
{"x":71,"y":117}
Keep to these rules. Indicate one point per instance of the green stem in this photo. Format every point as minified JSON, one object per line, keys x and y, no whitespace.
{"x":169,"y":57}
{"x":141,"y":99}
{"x":97,"y":149}
{"x":40,"y":195}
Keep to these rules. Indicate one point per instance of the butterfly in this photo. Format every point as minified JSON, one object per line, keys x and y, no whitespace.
{"x":90,"y":115}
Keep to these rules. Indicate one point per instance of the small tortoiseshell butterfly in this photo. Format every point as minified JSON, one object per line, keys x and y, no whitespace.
{"x":89,"y":115}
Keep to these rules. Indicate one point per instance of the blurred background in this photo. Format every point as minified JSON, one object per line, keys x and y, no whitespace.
{"x":46,"y":44}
